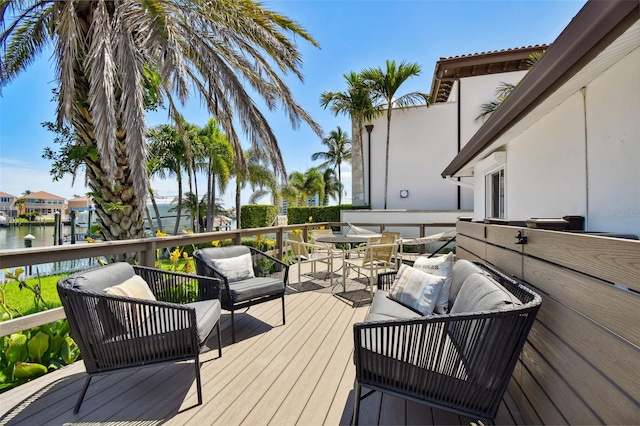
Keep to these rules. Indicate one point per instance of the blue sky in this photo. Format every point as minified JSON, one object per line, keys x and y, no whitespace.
{"x":352,"y":34}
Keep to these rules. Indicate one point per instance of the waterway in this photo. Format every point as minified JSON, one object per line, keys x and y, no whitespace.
{"x":12,"y":237}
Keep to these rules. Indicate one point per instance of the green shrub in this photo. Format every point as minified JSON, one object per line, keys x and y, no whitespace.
{"x":319,"y":214}
{"x":257,"y":215}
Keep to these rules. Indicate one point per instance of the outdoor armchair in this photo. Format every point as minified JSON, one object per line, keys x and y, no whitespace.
{"x":249,"y":277}
{"x":125,"y":316}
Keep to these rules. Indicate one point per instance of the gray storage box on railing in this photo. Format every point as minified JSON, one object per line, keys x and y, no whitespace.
{"x":461,"y":361}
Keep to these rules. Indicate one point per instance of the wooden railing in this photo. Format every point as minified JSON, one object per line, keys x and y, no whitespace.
{"x":581,"y":362}
{"x":147,"y":249}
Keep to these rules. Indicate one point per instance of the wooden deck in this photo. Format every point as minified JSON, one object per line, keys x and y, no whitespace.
{"x":298,"y":373}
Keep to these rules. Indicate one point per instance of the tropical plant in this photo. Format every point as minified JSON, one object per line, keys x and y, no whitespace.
{"x":167,"y":151}
{"x":504,"y":90}
{"x":261,"y":179}
{"x":384,"y":84}
{"x":333,"y":188}
{"x":307,"y":185}
{"x":110,"y":57}
{"x":356,"y":103}
{"x":339,"y":150}
{"x":218,"y":156}
{"x":196,"y":209}
{"x":32,"y":353}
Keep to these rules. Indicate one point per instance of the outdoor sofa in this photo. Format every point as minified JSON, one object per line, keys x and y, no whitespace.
{"x":125,"y":316}
{"x":459,"y":361}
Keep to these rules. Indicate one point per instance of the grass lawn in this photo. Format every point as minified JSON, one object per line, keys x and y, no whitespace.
{"x":22,"y":299}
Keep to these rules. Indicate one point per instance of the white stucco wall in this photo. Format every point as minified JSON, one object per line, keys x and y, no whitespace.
{"x":474,"y":92}
{"x":545,"y":173}
{"x":613,"y":132}
{"x":423,"y":141}
{"x":558,"y":167}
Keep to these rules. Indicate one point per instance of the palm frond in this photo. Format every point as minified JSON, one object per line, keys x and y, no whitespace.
{"x":25,"y":38}
{"x":102,"y":102}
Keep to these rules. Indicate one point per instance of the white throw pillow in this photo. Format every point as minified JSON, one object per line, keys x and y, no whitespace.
{"x":416,"y":289}
{"x":135,"y":287}
{"x":235,"y":268}
{"x":441,"y":266}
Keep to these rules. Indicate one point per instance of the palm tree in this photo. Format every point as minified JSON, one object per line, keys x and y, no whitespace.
{"x":110,"y":56}
{"x":257,"y":174}
{"x":333,"y":188}
{"x":307,"y":185}
{"x":196,"y":210}
{"x":356,"y":103}
{"x":383,"y":85}
{"x":219,"y":162}
{"x":339,"y":150}
{"x":169,"y":149}
{"x":155,"y":166}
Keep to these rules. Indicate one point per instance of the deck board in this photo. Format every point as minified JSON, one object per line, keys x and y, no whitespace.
{"x":300,"y":372}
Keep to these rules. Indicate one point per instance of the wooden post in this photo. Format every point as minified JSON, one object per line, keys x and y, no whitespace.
{"x":280,"y":243}
{"x":72,"y":216}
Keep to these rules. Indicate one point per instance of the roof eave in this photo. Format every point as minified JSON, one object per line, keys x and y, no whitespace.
{"x":596,"y":25}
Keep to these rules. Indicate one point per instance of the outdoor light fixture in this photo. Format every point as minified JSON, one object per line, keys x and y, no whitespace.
{"x":404,"y":193}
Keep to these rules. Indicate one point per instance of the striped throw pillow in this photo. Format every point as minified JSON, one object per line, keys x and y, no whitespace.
{"x":416,"y":289}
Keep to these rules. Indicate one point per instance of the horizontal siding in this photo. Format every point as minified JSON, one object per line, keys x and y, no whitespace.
{"x":581,"y":362}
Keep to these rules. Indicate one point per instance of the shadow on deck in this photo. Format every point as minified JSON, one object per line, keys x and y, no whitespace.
{"x":298,"y":373}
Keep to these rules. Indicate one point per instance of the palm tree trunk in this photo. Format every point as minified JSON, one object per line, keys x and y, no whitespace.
{"x":195,"y":216}
{"x":211,"y":199}
{"x":156,"y":210}
{"x":340,"y":182}
{"x":238,"y":206}
{"x":118,"y":212}
{"x":179,"y":207}
{"x":386,"y":164}
{"x":150,"y":219}
{"x":195,"y":184}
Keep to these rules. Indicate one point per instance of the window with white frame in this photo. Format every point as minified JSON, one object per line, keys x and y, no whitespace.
{"x":495,"y":194}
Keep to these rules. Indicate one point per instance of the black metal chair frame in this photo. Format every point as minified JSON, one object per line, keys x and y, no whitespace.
{"x":107,"y":345}
{"x":203,"y":268}
{"x":413,"y":359}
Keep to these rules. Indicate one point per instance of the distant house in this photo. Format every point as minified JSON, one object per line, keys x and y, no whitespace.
{"x":44,"y":203}
{"x":7,"y":206}
{"x":567,"y":140}
{"x":424,"y":139}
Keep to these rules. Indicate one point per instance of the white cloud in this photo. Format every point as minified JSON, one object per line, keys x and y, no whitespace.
{"x":17,"y":176}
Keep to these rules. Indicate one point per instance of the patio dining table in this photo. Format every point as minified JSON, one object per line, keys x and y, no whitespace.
{"x":343,"y":239}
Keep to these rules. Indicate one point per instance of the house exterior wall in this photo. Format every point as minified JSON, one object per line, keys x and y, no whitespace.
{"x":474,"y":92}
{"x":423,"y":141}
{"x":613,"y":148}
{"x":560,"y":166}
{"x":545,"y":170}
